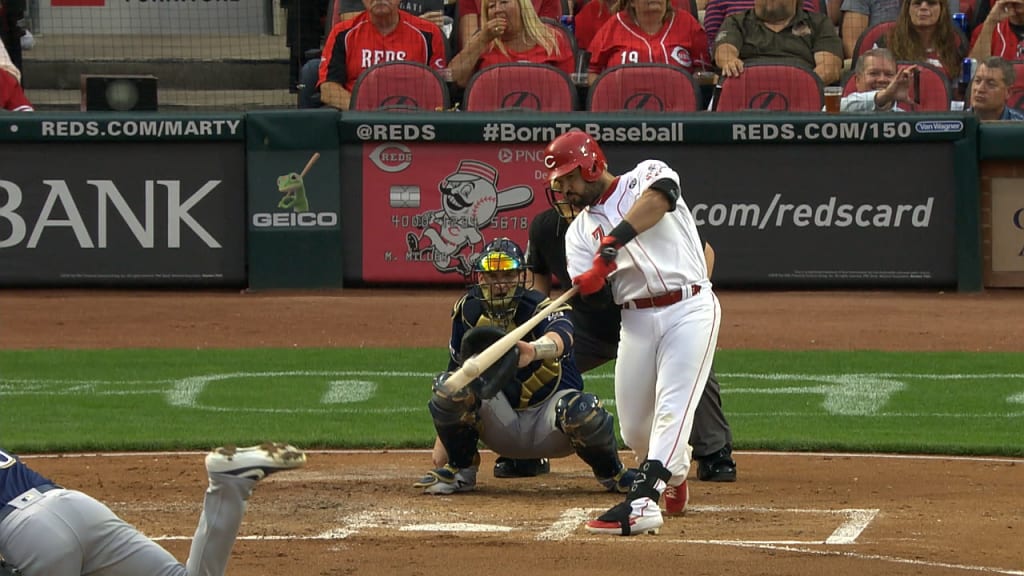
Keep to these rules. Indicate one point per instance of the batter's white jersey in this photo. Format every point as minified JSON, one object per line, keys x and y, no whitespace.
{"x":660,"y":260}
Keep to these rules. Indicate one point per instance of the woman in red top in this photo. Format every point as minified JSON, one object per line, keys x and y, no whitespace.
{"x":595,"y":13}
{"x":925,"y":32}
{"x":649,"y":31}
{"x":512,"y":32}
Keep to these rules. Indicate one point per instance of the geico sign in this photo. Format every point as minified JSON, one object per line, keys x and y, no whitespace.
{"x":294,"y":219}
{"x":61,"y":212}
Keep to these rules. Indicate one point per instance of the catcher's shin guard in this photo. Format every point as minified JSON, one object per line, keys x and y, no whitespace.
{"x":591,"y":430}
{"x":455,"y":420}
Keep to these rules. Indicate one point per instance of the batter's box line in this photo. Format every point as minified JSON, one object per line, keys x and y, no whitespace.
{"x":856,"y":520}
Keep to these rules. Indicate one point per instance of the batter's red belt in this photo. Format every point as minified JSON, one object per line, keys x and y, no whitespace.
{"x":663,"y":300}
{"x":7,"y":508}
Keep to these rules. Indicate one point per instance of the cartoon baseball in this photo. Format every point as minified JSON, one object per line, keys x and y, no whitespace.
{"x":470,"y":199}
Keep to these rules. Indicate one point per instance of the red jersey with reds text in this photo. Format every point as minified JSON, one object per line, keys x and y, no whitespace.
{"x":1006,"y":42}
{"x":594,"y":14}
{"x":564,"y":60}
{"x":680,"y":42}
{"x":355,"y":45}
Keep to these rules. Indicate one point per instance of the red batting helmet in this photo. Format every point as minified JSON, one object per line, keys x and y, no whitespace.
{"x":574,"y":149}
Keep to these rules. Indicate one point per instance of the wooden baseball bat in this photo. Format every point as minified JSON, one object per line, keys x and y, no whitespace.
{"x":472,"y":367}
{"x":309,"y":165}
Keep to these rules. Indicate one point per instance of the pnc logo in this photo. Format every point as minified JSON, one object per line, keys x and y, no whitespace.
{"x":644,"y":101}
{"x":768,"y":100}
{"x":527,"y":100}
{"x":391,"y":157}
{"x":505,"y":155}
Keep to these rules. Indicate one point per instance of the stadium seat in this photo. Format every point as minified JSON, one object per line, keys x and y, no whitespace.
{"x":399,"y":86}
{"x":1016,"y":99}
{"x":644,"y":87}
{"x":935,"y":89}
{"x":564,"y":31}
{"x":868,"y":38}
{"x":772,"y":87}
{"x":520,"y":86}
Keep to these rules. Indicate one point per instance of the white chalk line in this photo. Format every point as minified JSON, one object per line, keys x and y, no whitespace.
{"x":950,"y":458}
{"x":571,"y":519}
{"x":859,"y":394}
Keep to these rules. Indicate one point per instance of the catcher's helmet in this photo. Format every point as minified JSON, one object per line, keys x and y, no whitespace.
{"x":574,"y":149}
{"x":500,"y":276}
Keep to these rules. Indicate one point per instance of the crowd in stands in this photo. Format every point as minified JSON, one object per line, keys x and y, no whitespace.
{"x":888,"y":55}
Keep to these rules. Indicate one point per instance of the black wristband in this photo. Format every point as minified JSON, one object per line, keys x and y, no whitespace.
{"x":623,"y":233}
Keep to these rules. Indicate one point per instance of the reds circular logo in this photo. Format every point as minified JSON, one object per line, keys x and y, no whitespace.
{"x":391,"y":157}
{"x":682,"y":56}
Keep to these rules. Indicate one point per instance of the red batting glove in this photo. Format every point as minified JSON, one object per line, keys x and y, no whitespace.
{"x":593,"y":280}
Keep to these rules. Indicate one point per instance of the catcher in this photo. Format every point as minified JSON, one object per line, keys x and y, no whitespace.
{"x":529,"y":404}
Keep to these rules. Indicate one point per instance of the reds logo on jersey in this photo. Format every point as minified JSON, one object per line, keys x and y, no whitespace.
{"x":371,"y":57}
{"x":682,"y":56}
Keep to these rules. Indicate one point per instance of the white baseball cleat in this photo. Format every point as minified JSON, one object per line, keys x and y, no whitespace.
{"x":255,"y":462}
{"x":640,"y":516}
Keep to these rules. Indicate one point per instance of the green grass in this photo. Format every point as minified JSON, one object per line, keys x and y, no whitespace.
{"x":60,"y":400}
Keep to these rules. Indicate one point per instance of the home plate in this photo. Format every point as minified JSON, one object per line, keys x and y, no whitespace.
{"x":455,"y":527}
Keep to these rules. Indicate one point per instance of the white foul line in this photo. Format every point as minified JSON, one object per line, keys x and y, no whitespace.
{"x":566,"y":524}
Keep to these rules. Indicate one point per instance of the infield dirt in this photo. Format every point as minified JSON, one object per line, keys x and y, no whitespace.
{"x":356,"y":513}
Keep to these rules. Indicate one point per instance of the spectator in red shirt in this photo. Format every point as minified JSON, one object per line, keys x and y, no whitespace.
{"x":1002,"y":34}
{"x":512,"y":32}
{"x":595,"y":13}
{"x":12,"y":97}
{"x":470,"y":16}
{"x":925,"y":32}
{"x":380,"y":34}
{"x":649,"y":31}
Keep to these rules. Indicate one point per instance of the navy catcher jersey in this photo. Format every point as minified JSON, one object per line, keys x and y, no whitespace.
{"x":539,"y":379}
{"x":16,"y":478}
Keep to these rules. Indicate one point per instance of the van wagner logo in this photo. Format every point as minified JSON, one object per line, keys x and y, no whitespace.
{"x":294,"y":204}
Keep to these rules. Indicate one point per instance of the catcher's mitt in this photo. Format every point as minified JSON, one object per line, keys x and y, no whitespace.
{"x":494,"y":378}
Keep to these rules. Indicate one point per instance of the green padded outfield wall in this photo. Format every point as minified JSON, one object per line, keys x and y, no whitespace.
{"x":293,"y":180}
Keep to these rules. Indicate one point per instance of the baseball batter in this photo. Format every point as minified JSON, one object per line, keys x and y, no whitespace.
{"x":49,"y":530}
{"x":531,"y":403}
{"x":596,"y":339}
{"x":636,"y":242}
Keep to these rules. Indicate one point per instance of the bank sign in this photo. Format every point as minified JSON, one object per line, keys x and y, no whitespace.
{"x":121,"y":215}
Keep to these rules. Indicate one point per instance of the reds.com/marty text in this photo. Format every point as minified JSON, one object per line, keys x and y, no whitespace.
{"x":133,"y":128}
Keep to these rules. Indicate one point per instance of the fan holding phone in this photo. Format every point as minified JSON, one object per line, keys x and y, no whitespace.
{"x":881,"y":86}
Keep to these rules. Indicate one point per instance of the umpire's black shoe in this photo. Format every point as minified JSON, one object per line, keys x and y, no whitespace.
{"x":510,"y":468}
{"x":717,"y":467}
